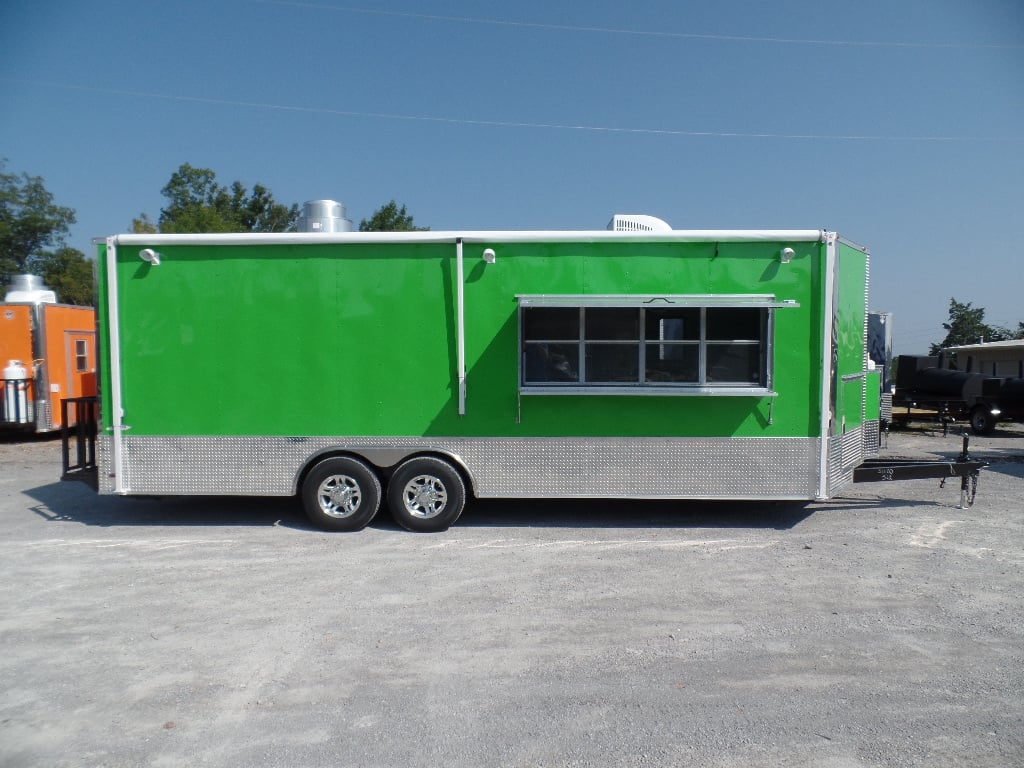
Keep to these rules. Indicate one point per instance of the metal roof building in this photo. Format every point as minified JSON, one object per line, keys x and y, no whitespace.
{"x":995,"y":358}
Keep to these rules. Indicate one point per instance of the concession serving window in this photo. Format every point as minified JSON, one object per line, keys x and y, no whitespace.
{"x":664,"y":345}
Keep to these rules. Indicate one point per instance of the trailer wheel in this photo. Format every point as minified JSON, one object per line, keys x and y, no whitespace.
{"x":426,"y":495}
{"x":982,"y":420}
{"x":341,"y":494}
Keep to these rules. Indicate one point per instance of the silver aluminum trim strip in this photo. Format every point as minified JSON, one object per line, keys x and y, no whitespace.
{"x":826,"y":355}
{"x":885,"y":407}
{"x":846,"y":452}
{"x":42,"y":411}
{"x":852,"y":244}
{"x":662,"y":390}
{"x":655,"y":301}
{"x":505,"y":467}
{"x":114,"y":339}
{"x":852,"y":447}
{"x":460,"y":330}
{"x":872,"y":438}
{"x":105,"y":479}
{"x":864,"y":334}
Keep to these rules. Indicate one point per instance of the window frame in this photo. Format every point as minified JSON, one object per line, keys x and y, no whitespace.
{"x":81,"y":355}
{"x":703,"y":302}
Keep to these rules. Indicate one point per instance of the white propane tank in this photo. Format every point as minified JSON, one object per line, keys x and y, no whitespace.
{"x":15,"y":393}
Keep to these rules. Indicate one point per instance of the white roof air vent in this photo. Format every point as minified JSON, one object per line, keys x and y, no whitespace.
{"x":637,"y":222}
{"x":29,"y":289}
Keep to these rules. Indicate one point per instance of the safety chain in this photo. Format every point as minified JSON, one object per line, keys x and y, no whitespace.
{"x":974,"y":489}
{"x":967,"y":497}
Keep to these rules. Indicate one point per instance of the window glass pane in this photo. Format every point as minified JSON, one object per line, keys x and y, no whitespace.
{"x":618,"y":363}
{"x":733,"y":324}
{"x":81,"y":355}
{"x":672,"y":363}
{"x":551,"y":323}
{"x":672,"y":324}
{"x":682,"y":346}
{"x":734,"y":363}
{"x":612,"y":324}
{"x":551,"y":363}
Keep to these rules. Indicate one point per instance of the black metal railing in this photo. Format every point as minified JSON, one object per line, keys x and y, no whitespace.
{"x":78,"y":417}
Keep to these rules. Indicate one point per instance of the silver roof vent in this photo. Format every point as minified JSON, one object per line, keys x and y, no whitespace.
{"x":637,"y":222}
{"x":323,"y":216}
{"x":29,"y":289}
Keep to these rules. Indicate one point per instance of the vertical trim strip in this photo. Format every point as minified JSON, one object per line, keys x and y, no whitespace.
{"x":460,"y":329}
{"x":828,"y":287}
{"x":42,"y":415}
{"x":114,"y":335}
{"x":864,"y":337}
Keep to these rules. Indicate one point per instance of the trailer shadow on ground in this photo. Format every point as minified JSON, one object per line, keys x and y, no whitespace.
{"x":610,"y":513}
{"x":632,"y":513}
{"x":76,"y":503}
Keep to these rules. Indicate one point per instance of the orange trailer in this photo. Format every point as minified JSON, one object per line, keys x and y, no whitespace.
{"x":47,"y":353}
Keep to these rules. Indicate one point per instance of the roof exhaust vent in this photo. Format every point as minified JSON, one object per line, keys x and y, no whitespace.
{"x":637,"y":222}
{"x":323,"y":216}
{"x":29,"y":289}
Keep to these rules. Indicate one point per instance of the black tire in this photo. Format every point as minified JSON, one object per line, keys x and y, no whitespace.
{"x":426,"y":495}
{"x":982,"y":420}
{"x":341,"y":494}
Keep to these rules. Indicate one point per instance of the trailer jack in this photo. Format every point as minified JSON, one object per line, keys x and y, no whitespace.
{"x":965,"y":467}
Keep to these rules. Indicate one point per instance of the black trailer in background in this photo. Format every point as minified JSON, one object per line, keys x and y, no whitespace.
{"x":925,"y":391}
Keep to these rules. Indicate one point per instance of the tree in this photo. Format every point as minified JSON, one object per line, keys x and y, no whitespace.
{"x":967,"y":325}
{"x":30,"y":222}
{"x":197,"y":202}
{"x":390,"y":218}
{"x":30,"y":225}
{"x":68,"y":272}
{"x":143,"y":225}
{"x":259,"y":212}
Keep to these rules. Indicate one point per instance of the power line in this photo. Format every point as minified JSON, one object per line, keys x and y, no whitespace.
{"x":636,"y":32}
{"x":439,"y":119}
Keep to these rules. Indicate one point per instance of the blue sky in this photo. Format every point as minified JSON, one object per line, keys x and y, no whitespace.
{"x":899,"y":123}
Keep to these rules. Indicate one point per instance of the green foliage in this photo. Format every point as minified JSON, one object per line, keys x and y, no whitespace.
{"x":197,"y":202}
{"x":70,"y":274}
{"x":967,"y":325}
{"x":31,"y":224}
{"x":143,"y":225}
{"x":390,"y":218}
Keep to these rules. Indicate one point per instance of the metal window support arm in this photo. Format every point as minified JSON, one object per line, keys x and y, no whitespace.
{"x":460,"y":326}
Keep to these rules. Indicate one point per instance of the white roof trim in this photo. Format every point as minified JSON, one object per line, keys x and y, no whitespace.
{"x":498,"y":236}
{"x":994,"y":345}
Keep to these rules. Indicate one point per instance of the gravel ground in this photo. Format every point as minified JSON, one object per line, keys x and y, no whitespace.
{"x":883,"y":628}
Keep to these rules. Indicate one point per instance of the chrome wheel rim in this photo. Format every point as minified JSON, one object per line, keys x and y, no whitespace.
{"x":339,"y":496}
{"x":425,"y":497}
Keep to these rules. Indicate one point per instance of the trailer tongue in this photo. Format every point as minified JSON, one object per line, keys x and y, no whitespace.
{"x":965,"y":467}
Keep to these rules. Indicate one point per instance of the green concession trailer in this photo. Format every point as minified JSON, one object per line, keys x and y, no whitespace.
{"x":424,"y":368}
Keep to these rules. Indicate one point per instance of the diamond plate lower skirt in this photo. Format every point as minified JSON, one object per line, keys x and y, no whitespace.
{"x":655,"y":467}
